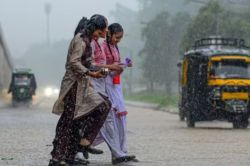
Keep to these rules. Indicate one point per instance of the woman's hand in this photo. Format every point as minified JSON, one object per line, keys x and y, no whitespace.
{"x":130,"y":65}
{"x":97,"y":74}
{"x":115,"y":67}
{"x":128,"y":62}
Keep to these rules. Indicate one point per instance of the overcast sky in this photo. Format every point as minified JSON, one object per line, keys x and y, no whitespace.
{"x":24,"y":21}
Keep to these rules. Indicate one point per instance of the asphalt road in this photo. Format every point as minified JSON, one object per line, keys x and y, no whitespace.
{"x":156,"y":138}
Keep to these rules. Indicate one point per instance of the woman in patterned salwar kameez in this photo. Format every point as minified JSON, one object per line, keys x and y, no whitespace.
{"x":108,"y":132}
{"x":83,"y":110}
{"x":99,"y":85}
{"x":114,"y":91}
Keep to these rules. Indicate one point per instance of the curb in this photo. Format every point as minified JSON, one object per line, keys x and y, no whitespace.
{"x":171,"y":109}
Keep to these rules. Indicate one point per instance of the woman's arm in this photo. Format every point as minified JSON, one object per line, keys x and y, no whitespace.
{"x":75,"y":63}
{"x":77,"y":49}
{"x":113,"y":67}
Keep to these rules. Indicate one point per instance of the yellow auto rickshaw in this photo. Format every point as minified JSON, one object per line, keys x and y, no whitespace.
{"x":214,"y":82}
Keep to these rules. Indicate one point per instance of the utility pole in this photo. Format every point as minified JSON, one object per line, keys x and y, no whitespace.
{"x":47,"y":9}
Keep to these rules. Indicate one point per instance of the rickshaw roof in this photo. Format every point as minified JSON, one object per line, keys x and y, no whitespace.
{"x":213,"y":46}
{"x":23,"y":71}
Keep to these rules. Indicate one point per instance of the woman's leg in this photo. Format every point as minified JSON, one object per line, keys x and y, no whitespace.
{"x":91,"y":125}
{"x":109,"y":134}
{"x":123,"y":133}
{"x":121,"y":123}
{"x":65,"y":128}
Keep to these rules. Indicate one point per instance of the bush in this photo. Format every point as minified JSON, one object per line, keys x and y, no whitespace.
{"x":159,"y":98}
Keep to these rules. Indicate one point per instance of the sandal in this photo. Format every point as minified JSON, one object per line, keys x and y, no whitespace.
{"x":90,"y":149}
{"x":87,"y":149}
{"x":132,"y":158}
{"x":124,"y":159}
{"x":77,"y":162}
{"x":82,"y":161}
{"x":118,"y":160}
{"x":94,"y":150}
{"x":57,"y":163}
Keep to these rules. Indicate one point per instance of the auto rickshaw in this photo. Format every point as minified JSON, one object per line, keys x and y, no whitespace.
{"x":215,"y":82}
{"x":22,"y":87}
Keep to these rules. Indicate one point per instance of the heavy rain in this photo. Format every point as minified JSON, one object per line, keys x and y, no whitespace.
{"x":135,"y":82}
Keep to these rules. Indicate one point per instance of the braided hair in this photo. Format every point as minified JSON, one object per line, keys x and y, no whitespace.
{"x":113,"y":29}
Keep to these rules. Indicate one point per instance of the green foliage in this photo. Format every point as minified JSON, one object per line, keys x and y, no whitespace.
{"x":155,"y":33}
{"x":159,"y":98}
{"x":161,"y":50}
{"x":213,"y":19}
{"x":160,"y":23}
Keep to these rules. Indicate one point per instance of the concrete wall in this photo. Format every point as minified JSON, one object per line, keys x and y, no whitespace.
{"x":6,"y":65}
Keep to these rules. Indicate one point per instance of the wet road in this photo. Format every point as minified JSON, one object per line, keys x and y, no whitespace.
{"x":157,"y":138}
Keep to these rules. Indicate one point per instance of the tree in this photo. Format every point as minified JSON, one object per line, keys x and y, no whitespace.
{"x":130,"y":45}
{"x":176,"y":32}
{"x":212,"y":19}
{"x":155,"y":33}
{"x":161,"y":50}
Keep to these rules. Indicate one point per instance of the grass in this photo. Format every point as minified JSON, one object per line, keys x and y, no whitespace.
{"x":159,"y":98}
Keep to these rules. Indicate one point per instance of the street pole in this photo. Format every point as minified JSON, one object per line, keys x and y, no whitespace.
{"x":47,"y":8}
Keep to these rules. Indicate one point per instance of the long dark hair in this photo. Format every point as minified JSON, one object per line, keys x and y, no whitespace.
{"x":81,"y":25}
{"x":88,"y":26}
{"x":113,"y":29}
{"x":95,"y":22}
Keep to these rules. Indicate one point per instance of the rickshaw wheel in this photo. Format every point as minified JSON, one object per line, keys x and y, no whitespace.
{"x":190,"y":120}
{"x":182,"y":118}
{"x":241,"y":122}
{"x":181,"y":115}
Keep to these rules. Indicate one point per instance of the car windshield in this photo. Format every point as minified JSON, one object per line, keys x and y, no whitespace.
{"x":231,"y":69}
{"x":21,"y":80}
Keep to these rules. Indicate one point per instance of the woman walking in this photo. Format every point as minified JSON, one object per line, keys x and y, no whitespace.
{"x":83,"y":110}
{"x":99,"y":84}
{"x":114,"y":90}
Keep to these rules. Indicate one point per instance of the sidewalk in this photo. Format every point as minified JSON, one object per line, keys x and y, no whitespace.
{"x":170,"y":109}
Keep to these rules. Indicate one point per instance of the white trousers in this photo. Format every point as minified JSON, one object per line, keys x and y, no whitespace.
{"x":114,"y":133}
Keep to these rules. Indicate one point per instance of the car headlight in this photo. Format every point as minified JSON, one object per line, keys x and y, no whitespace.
{"x":48,"y":92}
{"x":56,"y":91}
